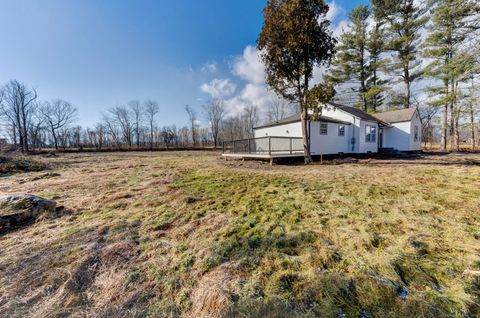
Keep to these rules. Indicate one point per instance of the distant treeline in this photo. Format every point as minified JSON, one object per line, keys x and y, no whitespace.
{"x":32,"y":125}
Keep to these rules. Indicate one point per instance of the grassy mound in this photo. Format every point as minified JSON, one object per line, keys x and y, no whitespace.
{"x":11,"y":165}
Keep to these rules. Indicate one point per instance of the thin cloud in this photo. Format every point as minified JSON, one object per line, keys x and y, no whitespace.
{"x":335,"y":11}
{"x":219,"y":88}
{"x":209,"y":68}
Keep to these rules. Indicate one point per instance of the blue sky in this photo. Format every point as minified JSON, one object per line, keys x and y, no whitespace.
{"x":101,"y":53}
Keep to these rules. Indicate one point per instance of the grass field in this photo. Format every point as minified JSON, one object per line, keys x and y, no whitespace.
{"x":188,"y":234}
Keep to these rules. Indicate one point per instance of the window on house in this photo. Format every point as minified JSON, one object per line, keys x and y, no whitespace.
{"x":341,"y":130}
{"x":370,"y":133}
{"x":323,"y":128}
{"x":415,"y":133}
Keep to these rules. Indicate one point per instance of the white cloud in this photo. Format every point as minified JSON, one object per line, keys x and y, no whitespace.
{"x":219,"y":88}
{"x":249,"y":66}
{"x":339,"y":28}
{"x":251,"y":94}
{"x":209,"y":68}
{"x":334,"y":11}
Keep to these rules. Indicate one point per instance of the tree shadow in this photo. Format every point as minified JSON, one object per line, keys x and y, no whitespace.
{"x":434,"y":158}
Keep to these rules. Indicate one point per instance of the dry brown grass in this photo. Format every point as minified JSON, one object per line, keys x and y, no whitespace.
{"x":172,"y":234}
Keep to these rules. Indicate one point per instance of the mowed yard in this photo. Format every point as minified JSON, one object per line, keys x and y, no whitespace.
{"x":188,"y":234}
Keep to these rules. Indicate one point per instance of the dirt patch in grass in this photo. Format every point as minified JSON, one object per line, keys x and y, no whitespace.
{"x":181,"y":235}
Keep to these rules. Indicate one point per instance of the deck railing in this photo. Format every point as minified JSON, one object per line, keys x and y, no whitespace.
{"x":264,"y":145}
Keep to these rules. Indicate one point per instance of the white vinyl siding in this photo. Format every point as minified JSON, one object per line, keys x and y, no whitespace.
{"x":331,"y":143}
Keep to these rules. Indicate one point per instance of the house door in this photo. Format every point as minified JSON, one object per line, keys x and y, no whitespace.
{"x":380,"y":138}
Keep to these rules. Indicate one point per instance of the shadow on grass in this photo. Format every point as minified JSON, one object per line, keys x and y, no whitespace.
{"x":431,"y":158}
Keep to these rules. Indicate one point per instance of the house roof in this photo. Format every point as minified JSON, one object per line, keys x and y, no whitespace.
{"x":296,"y":118}
{"x":396,"y":116}
{"x":355,"y":112}
{"x":385,"y":118}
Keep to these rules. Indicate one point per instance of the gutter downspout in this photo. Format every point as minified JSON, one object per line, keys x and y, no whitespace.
{"x":309,"y":137}
{"x":353,"y":141}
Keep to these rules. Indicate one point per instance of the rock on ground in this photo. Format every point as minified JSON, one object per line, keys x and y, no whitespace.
{"x":16,"y":209}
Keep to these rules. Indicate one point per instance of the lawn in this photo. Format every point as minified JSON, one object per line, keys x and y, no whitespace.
{"x":188,"y":234}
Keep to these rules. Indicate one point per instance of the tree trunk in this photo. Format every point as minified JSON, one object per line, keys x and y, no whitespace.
{"x":151,"y":135}
{"x":24,"y":130}
{"x":375,"y":98}
{"x":443,"y":142}
{"x":455,"y":115}
{"x":55,"y":139}
{"x":472,"y":126}
{"x":138,"y":136}
{"x":305,"y":130}
{"x":363,"y":79}
{"x":407,"y":87}
{"x":20,"y":133}
{"x":306,"y":136}
{"x":456,"y":140}
{"x":14,"y":134}
{"x":472,"y":116}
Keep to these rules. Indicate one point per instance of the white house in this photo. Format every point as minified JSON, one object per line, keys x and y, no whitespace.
{"x":404,"y":131}
{"x":344,"y":129}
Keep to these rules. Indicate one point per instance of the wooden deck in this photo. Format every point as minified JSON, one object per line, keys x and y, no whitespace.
{"x":262,"y":155}
{"x":269,"y":147}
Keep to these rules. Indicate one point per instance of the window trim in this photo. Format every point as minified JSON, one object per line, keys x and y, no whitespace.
{"x":342,"y":129}
{"x":369,"y":137}
{"x":326,"y":129}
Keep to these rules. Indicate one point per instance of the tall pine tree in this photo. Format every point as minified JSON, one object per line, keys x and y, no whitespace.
{"x":404,"y":20}
{"x":376,"y":47}
{"x":358,"y":61}
{"x":350,"y":66}
{"x":452,"y":22}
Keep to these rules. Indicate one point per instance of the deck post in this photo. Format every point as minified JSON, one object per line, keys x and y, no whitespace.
{"x":271,"y":161}
{"x":291,"y":145}
{"x":269,"y":145}
{"x":223,"y":146}
{"x":249,"y":151}
{"x":234,"y":148}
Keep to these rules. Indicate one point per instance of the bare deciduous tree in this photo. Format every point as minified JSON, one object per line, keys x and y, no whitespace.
{"x":35,"y":129}
{"x":251,"y":114}
{"x":137,"y":111}
{"x":192,"y":117}
{"x":215,"y":113}
{"x":120,"y":117}
{"x":58,"y":114}
{"x":278,"y":109}
{"x":168,"y":135}
{"x":472,"y":110}
{"x":151,"y":110}
{"x":17,"y":107}
{"x":427,"y":116}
